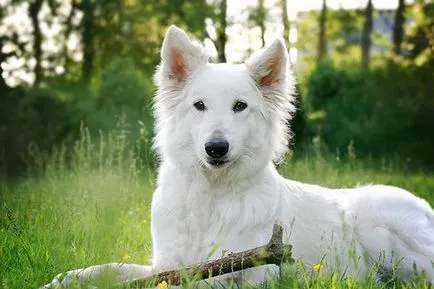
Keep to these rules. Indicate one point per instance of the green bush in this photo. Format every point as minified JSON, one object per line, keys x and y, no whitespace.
{"x":124,"y":92}
{"x":43,"y":118}
{"x":324,"y":84}
{"x":34,"y":119}
{"x":124,"y":102}
{"x":122,"y":84}
{"x":382,"y":111}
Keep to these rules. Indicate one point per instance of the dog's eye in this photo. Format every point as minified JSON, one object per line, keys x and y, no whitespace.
{"x":199,"y":105}
{"x":239,"y":106}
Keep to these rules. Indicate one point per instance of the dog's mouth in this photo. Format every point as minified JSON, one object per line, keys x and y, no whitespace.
{"x":217,"y":162}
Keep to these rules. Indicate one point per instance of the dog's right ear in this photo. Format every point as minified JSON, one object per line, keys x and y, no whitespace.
{"x":180,"y":57}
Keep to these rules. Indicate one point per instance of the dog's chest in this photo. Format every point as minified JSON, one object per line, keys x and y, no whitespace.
{"x":212,"y":224}
{"x":205,"y":224}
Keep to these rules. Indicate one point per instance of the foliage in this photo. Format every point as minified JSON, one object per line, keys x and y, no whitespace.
{"x":342,"y":35}
{"x":257,"y":17}
{"x":380,"y":111}
{"x":122,"y":84}
{"x":124,"y":101}
{"x":420,"y":34}
{"x":106,"y":77}
{"x":50,"y":115}
{"x":39,"y":120}
{"x":124,"y":90}
{"x":323,"y":84}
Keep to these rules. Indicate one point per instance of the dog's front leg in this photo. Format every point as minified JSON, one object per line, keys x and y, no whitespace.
{"x":115,"y":272}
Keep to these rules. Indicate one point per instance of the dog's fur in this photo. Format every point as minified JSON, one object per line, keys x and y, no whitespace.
{"x":200,"y":210}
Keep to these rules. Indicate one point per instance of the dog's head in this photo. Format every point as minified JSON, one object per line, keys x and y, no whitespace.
{"x":218,"y":116}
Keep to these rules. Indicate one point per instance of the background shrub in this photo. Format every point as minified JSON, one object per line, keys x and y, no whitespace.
{"x":380,"y":111}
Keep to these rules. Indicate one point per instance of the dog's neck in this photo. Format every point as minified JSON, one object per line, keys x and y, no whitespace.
{"x":231,"y":177}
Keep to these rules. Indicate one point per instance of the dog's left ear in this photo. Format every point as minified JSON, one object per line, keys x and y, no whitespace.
{"x":180,"y":57}
{"x":270,"y":71}
{"x":269,"y":68}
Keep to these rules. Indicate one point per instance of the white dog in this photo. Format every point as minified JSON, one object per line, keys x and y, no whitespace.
{"x":219,"y":129}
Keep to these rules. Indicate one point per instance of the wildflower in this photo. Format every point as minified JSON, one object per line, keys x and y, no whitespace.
{"x":317,"y":267}
{"x":162,"y":285}
{"x":126,"y":257}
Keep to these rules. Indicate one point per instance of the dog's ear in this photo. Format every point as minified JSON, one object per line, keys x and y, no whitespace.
{"x":269,"y":67}
{"x":180,"y":57}
{"x":270,"y":71}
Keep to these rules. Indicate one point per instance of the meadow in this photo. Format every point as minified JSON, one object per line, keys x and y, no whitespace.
{"x":91,"y":205}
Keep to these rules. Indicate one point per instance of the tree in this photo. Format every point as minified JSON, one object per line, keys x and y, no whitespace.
{"x":420,"y":40}
{"x":221,"y":31}
{"x":3,"y":57}
{"x":284,"y":7}
{"x":69,"y":28}
{"x":398,"y":28}
{"x":220,"y":24}
{"x":34,"y":9}
{"x":33,"y":12}
{"x":258,"y":16}
{"x":11,"y":39}
{"x":366,"y":34}
{"x":322,"y":41}
{"x":88,"y":33}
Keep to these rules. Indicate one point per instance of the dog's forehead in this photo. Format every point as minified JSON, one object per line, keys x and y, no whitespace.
{"x":227,"y":80}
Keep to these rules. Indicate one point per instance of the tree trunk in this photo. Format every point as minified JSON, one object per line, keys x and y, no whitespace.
{"x":261,"y":20}
{"x":68,"y":31}
{"x":398,"y":28}
{"x":285,"y":20}
{"x":34,"y":9}
{"x":322,"y":41}
{"x":366,"y":35}
{"x":88,"y":27}
{"x":221,"y":31}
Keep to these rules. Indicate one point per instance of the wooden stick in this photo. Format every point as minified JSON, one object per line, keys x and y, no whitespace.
{"x":275,"y":252}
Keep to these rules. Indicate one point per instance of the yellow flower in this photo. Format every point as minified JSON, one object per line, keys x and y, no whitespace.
{"x":317,"y":267}
{"x":126,"y":257}
{"x":162,"y":285}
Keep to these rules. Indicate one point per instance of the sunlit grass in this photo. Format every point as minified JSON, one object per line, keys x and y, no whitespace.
{"x":91,"y":205}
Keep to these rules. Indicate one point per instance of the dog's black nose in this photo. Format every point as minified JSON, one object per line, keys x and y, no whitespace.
{"x":217,"y":148}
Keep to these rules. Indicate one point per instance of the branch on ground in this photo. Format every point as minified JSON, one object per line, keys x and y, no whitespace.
{"x":275,"y":252}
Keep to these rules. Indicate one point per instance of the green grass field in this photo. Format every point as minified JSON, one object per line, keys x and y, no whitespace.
{"x":96,"y":210}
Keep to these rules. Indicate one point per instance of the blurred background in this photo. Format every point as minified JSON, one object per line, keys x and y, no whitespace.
{"x":365,"y":71}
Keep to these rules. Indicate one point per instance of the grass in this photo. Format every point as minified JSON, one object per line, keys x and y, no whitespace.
{"x":96,"y":210}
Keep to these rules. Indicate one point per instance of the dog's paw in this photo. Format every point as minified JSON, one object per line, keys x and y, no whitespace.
{"x":56,"y":283}
{"x":65,"y":280}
